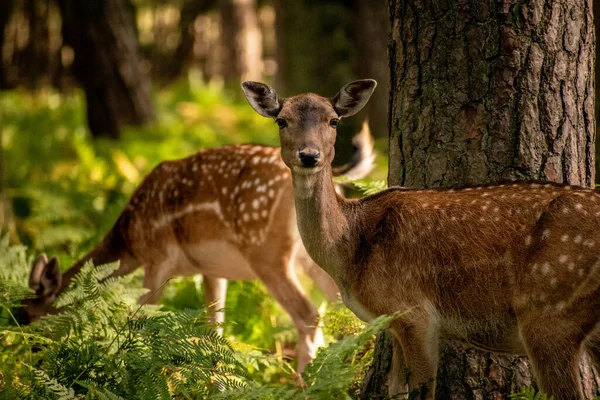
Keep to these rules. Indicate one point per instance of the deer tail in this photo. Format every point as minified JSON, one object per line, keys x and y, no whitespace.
{"x":363,"y":157}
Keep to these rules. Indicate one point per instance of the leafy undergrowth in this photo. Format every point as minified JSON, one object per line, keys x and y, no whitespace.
{"x":105,"y":346}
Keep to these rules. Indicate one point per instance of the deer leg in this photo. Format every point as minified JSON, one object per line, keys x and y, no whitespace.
{"x":215,"y":291}
{"x":281,"y":281}
{"x":415,"y":360}
{"x":553,"y":348}
{"x":155,"y":276}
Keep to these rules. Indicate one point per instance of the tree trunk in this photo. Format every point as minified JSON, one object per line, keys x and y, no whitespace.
{"x":6,"y":8}
{"x":371,"y":35}
{"x":241,"y":41}
{"x":103,"y":36}
{"x":483,"y":91}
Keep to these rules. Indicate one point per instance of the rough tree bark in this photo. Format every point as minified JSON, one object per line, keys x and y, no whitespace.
{"x":483,"y":91}
{"x":103,"y":35}
{"x":241,"y":41}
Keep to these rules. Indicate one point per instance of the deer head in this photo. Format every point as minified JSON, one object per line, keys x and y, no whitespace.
{"x":45,"y":279}
{"x":307,"y":122}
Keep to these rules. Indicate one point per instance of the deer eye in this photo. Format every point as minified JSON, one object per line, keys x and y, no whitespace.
{"x":281,"y":123}
{"x":334,"y":122}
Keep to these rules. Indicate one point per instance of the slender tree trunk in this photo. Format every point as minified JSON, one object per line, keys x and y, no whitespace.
{"x":371,"y":36}
{"x":5,"y":12}
{"x":103,"y":35}
{"x":483,"y":91}
{"x":189,"y":13}
{"x":241,"y":41}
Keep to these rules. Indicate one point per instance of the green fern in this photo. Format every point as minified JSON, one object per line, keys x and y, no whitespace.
{"x":366,"y":186}
{"x":529,"y":393}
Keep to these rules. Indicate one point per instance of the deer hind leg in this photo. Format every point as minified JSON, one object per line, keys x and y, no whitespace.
{"x":553,"y":347}
{"x":215,"y":291}
{"x":281,"y":281}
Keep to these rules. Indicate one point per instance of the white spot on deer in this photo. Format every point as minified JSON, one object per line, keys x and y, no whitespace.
{"x":546,"y":234}
{"x":528,"y":240}
{"x":564,"y":238}
{"x":245,"y":217}
{"x":565,"y":210}
{"x":577,"y":239}
{"x":264,"y":213}
{"x":175,"y":192}
{"x":256,"y":181}
{"x":563,"y":258}
{"x":255,"y":160}
{"x":255,"y":204}
{"x":545,"y":268}
{"x":255,"y":216}
{"x":553,"y":282}
{"x":560,"y":305}
{"x":589,"y":243}
{"x":485,"y":194}
{"x":571,"y":266}
{"x":224,"y":190}
{"x":578,"y":206}
{"x":534,"y":267}
{"x":484,"y":208}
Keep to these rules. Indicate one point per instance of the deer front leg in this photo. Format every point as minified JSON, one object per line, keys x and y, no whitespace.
{"x":215,"y":292}
{"x":281,"y":281}
{"x":416,"y":352}
{"x":155,"y":276}
{"x":553,"y":346}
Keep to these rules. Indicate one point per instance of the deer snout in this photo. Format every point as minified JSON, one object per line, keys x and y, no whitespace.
{"x":309,"y":157}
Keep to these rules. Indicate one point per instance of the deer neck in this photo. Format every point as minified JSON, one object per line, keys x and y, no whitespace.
{"x":322,"y":223}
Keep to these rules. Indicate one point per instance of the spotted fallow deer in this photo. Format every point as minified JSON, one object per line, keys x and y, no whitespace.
{"x":509,"y":268}
{"x":226,"y":213}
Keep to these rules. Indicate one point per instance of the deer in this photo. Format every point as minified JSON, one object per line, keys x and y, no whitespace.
{"x":226,"y":213}
{"x":510,"y":268}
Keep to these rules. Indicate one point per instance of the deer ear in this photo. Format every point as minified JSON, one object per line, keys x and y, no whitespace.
{"x":45,"y":277}
{"x":353,"y":97}
{"x":262,"y":98}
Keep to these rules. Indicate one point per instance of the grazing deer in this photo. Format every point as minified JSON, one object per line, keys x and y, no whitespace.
{"x":226,"y":213}
{"x":509,"y":268}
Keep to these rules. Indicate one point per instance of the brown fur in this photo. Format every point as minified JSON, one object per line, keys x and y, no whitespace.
{"x":509,"y":268}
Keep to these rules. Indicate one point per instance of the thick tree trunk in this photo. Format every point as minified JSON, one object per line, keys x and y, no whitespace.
{"x":483,"y":91}
{"x":241,"y":41}
{"x":103,"y":35}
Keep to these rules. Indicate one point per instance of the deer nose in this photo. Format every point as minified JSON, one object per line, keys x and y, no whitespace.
{"x":309,"y":157}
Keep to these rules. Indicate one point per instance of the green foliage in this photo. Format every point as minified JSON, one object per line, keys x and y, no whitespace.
{"x":366,"y":186}
{"x":105,"y":346}
{"x":529,"y":393}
